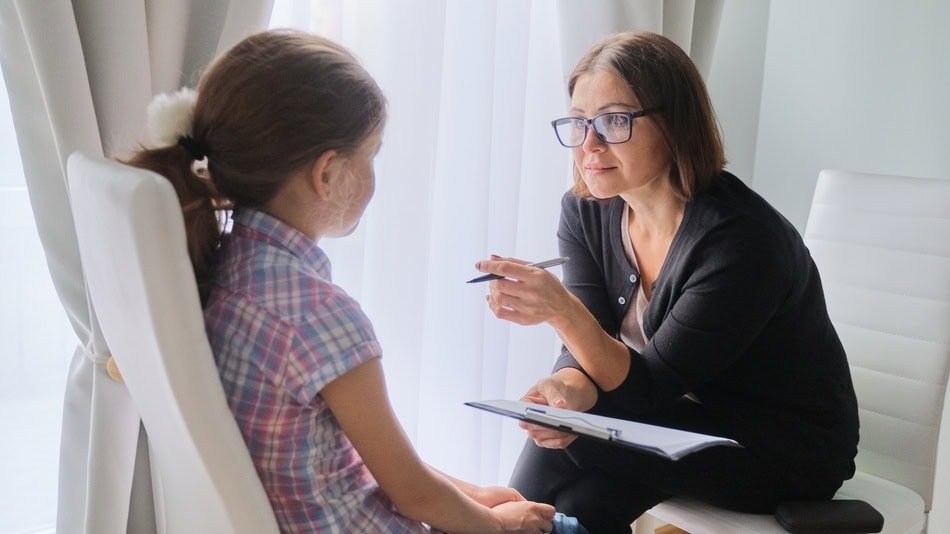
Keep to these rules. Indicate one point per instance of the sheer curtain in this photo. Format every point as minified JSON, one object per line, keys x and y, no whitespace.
{"x":469,"y":167}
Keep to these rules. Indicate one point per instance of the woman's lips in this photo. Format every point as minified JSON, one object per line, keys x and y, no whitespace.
{"x":597,"y":169}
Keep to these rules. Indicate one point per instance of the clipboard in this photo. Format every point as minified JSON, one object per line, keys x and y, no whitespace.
{"x":667,"y":442}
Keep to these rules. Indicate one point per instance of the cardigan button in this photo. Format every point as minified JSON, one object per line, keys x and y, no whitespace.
{"x":633,"y":279}
{"x":622,"y":300}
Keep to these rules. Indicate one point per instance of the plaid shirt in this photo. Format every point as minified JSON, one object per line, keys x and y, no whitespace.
{"x":280,"y":331}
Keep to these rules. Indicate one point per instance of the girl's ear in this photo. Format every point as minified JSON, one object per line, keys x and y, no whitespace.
{"x":325,"y":172}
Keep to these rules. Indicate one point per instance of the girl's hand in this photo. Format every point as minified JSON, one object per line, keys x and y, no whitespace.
{"x":527,"y":295}
{"x":524,"y":517}
{"x":492,"y":496}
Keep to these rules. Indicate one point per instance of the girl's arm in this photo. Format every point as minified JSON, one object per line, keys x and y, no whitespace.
{"x":359,"y":401}
{"x":489,"y":496}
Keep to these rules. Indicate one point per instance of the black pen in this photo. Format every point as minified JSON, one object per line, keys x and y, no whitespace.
{"x":540,"y":265}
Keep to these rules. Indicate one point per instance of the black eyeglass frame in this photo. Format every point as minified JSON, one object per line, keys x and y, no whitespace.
{"x":589,"y":124}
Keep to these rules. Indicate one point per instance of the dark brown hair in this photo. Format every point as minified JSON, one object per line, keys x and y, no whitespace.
{"x":266,"y":109}
{"x":661,"y":75}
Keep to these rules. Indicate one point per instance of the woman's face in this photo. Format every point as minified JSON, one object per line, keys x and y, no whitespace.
{"x":609,"y":170}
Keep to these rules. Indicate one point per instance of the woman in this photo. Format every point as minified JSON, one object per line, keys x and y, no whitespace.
{"x":687,"y":302}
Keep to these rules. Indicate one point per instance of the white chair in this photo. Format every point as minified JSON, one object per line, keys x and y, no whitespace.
{"x":882,"y":245}
{"x":132,"y":245}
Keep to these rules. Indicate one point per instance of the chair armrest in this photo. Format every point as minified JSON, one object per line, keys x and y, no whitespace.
{"x":847,"y":516}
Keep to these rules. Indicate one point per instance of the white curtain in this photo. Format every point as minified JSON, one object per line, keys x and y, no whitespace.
{"x":79,"y":75}
{"x":469,"y":167}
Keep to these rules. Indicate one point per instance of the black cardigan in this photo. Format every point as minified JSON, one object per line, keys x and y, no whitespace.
{"x":737,"y":318}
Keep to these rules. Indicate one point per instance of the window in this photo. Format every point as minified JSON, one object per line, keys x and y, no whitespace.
{"x":36,"y":344}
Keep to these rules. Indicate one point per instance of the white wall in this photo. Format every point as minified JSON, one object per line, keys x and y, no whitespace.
{"x":854,"y":84}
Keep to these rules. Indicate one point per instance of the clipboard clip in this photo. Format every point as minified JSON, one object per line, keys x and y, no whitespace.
{"x":612,"y":433}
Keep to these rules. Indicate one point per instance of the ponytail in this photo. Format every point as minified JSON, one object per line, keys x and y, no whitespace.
{"x":172,"y":153}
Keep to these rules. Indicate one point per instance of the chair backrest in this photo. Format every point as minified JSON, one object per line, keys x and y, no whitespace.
{"x":133,"y":249}
{"x":882,"y":245}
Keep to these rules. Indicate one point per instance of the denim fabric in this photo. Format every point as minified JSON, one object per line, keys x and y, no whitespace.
{"x":564,"y":524}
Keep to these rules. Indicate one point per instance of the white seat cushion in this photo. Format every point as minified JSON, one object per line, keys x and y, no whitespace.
{"x":902,"y":508}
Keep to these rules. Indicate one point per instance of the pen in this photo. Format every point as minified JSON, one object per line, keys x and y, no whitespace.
{"x":540,"y":265}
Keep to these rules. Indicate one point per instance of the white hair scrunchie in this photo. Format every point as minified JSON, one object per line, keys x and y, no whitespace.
{"x":169,"y":116}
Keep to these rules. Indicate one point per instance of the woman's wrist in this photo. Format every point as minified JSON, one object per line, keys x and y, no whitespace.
{"x":580,"y":388}
{"x":572,"y":310}
{"x":605,"y":360}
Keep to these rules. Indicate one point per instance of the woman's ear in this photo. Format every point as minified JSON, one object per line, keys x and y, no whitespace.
{"x":324,"y":173}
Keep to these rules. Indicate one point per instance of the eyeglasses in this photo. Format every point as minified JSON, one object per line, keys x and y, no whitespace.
{"x":613,"y":127}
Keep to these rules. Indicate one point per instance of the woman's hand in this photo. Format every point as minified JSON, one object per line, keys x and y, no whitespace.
{"x":527,"y":295}
{"x":524,"y":517}
{"x":568,"y":389}
{"x":530,"y":295}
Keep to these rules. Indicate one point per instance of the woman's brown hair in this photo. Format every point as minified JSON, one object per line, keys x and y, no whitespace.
{"x":266,"y":109}
{"x":661,"y":75}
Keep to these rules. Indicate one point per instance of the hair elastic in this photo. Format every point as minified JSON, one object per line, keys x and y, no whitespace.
{"x":193,"y":147}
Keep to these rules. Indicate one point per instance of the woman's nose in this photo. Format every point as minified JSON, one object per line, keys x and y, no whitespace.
{"x":592,"y":142}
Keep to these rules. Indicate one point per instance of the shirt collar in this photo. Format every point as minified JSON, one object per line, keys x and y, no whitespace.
{"x":254,"y":224}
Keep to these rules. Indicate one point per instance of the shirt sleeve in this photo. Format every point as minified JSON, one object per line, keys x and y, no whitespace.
{"x":582,"y":239}
{"x":334,"y":337}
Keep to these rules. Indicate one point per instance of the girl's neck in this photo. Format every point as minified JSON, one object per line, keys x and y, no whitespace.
{"x":295,"y":219}
{"x":294,"y":205}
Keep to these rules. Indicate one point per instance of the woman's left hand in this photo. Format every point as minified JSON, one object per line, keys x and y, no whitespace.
{"x":526,"y":295}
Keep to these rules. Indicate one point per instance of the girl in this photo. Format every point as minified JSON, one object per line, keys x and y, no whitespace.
{"x":283,"y":129}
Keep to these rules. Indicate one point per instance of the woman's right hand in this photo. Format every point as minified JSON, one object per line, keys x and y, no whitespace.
{"x":525,"y":295}
{"x":568,"y":389}
{"x":524,"y":517}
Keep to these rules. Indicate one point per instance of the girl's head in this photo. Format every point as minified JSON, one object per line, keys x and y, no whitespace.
{"x":660,"y":78}
{"x":271,"y":109}
{"x":273,"y":104}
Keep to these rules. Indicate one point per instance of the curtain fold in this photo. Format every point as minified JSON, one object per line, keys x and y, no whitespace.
{"x":80,"y":75}
{"x":702,"y":47}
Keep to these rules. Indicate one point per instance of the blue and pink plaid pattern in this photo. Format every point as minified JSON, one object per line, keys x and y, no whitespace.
{"x":280,"y":331}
